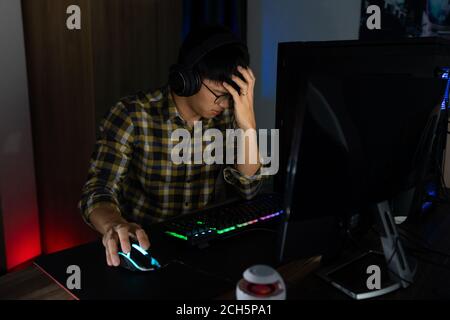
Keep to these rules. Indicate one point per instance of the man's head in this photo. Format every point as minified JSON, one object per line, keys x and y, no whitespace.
{"x":208,"y":57}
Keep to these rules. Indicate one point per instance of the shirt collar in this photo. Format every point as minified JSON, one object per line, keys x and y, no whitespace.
{"x":170,"y":111}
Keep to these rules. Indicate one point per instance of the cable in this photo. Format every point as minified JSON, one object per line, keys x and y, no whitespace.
{"x":391,"y":257}
{"x":395,"y":250}
{"x":432,"y":262}
{"x":426,"y":246}
{"x":412,"y":233}
{"x":427,"y":251}
{"x":418,"y":251}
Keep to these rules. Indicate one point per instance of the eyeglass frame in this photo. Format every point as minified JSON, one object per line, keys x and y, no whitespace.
{"x":230,"y":97}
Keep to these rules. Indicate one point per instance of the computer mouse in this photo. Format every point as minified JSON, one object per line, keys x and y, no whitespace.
{"x":138,"y":259}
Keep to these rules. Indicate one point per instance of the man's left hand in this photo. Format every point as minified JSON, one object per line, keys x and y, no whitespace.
{"x":243,"y":103}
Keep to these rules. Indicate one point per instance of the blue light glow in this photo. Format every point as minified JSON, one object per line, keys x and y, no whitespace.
{"x":432,"y":193}
{"x":154,"y":262}
{"x":445,"y":76}
{"x":139,"y":249}
{"x":426,"y":206}
{"x":431,"y":190}
{"x":127,"y":256}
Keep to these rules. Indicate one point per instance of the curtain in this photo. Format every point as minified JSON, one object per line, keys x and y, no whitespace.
{"x":230,"y":13}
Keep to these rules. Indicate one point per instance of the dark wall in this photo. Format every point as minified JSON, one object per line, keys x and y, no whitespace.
{"x":231,"y":13}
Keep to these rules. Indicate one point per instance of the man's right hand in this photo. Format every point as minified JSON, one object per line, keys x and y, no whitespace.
{"x":117,"y":231}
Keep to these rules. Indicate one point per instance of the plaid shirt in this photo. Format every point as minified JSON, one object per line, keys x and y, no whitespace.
{"x":131,"y":168}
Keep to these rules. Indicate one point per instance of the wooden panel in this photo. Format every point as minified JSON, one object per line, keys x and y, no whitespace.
{"x":75,"y":76}
{"x":134,"y":43}
{"x":60,"y":76}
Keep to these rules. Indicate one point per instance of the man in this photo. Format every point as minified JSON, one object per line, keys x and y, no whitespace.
{"x":132,"y":174}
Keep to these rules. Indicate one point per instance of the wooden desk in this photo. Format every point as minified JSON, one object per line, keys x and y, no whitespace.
{"x":33,"y":284}
{"x":292,"y":273}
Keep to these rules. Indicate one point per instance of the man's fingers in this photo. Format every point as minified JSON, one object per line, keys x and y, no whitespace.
{"x":246,"y":74}
{"x":251,"y":74}
{"x":243,"y":85}
{"x":122,"y":232}
{"x":112,"y":247}
{"x":231,"y":90}
{"x":108,"y":257}
{"x":142,"y":237}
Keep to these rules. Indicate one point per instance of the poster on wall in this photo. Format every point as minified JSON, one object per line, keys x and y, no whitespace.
{"x":408,"y":18}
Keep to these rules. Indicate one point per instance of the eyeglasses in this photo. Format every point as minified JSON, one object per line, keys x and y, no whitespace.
{"x":220,"y":98}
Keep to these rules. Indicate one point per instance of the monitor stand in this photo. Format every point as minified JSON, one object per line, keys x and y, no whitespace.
{"x":373,"y":274}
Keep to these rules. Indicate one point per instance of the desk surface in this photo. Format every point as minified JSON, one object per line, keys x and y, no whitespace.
{"x":190,"y":273}
{"x":432,"y":279}
{"x":187,"y":272}
{"x":32,"y":283}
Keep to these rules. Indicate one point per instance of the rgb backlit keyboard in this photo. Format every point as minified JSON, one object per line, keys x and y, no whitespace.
{"x":229,"y":219}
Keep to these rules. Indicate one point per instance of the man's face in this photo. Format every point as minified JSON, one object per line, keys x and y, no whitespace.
{"x":211,"y":100}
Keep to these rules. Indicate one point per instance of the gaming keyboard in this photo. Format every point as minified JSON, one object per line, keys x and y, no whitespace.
{"x":229,"y":219}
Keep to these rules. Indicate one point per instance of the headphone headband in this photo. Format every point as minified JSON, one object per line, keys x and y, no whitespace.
{"x":207,"y":46}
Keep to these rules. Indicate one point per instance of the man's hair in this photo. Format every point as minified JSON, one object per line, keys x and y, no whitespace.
{"x":220,"y":63}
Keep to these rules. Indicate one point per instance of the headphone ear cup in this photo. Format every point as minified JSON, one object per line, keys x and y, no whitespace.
{"x":184,"y":82}
{"x":194,"y":82}
{"x":177,"y":81}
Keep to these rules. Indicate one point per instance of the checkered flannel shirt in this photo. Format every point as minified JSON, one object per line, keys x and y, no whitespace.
{"x":131,"y":167}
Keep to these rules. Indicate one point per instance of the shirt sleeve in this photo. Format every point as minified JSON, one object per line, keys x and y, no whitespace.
{"x":109,"y":162}
{"x":247,"y":186}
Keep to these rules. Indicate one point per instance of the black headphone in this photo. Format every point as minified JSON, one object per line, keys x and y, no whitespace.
{"x":183,"y":79}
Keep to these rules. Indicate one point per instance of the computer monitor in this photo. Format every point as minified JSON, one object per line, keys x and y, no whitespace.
{"x":361,"y":119}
